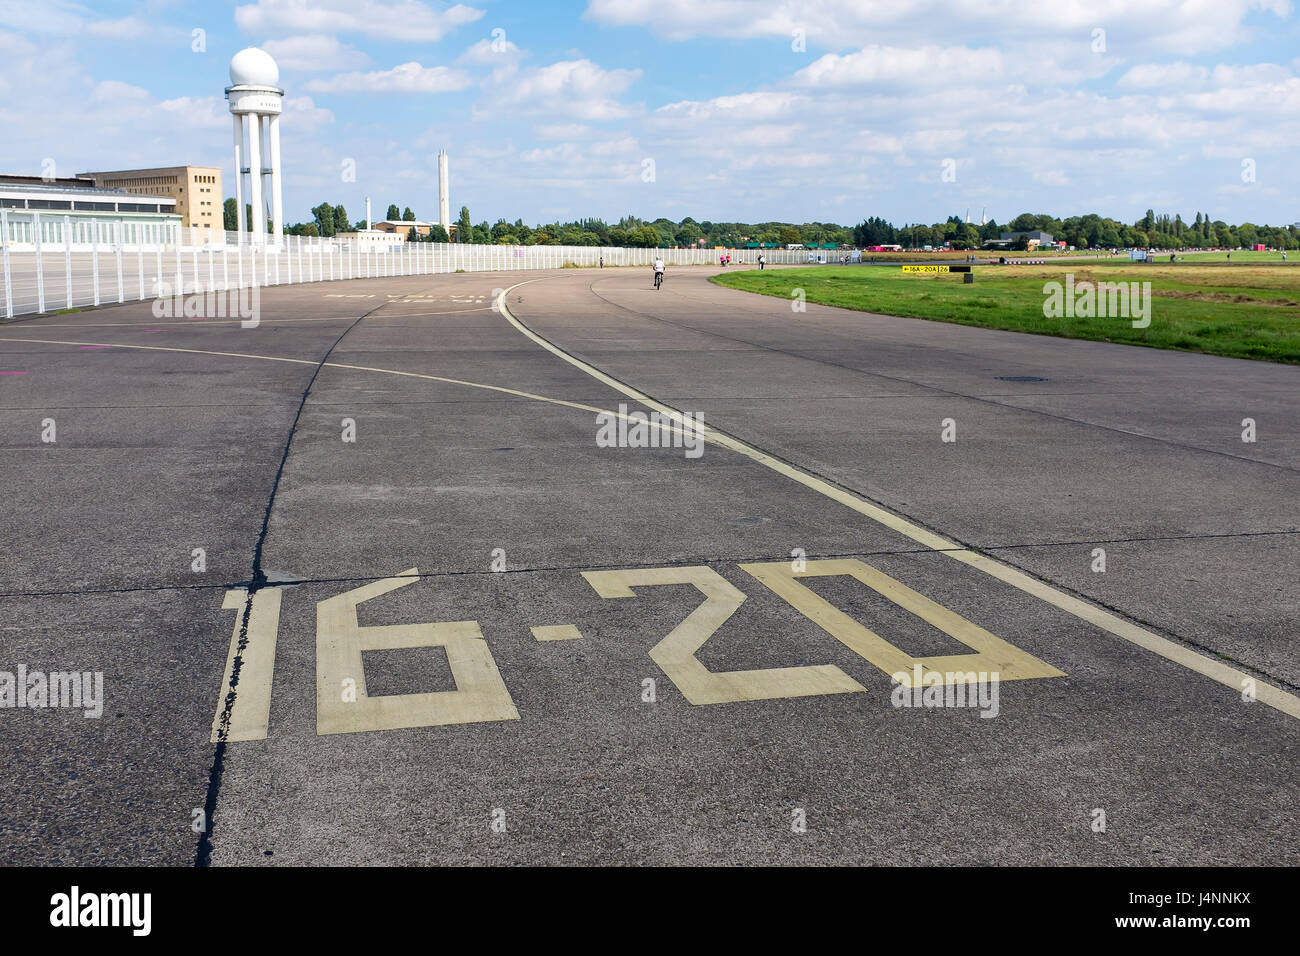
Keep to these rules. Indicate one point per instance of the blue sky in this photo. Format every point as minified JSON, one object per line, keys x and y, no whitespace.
{"x":743,"y":109}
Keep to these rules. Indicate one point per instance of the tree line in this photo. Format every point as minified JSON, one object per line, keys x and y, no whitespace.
{"x":1084,"y":232}
{"x":1090,"y":231}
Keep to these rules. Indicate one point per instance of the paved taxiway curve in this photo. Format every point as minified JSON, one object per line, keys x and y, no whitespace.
{"x":475,"y":444}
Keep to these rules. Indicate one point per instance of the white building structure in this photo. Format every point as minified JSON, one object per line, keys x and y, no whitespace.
{"x":444,"y":193}
{"x":75,"y":215}
{"x":255,"y":103}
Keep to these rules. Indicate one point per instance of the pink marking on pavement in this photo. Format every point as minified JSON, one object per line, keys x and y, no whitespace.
{"x":155,"y":330}
{"x":8,"y":372}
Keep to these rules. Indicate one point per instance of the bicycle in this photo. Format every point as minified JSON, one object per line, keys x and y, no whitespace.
{"x":659,"y":280}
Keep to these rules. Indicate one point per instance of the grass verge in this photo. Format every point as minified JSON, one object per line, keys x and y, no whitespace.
{"x":1247,"y":310}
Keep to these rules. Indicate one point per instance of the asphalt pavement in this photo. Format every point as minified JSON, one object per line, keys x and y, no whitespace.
{"x":409,"y":475}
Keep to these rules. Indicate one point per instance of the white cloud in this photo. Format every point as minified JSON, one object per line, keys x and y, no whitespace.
{"x":303,"y":113}
{"x":576,"y":89}
{"x":197,"y":112}
{"x":1163,"y":76}
{"x":407,"y":20}
{"x":1181,"y":26}
{"x":494,"y":52}
{"x":61,"y":18}
{"x":741,"y":108}
{"x":879,"y":65}
{"x":561,"y":131}
{"x":111,"y":91}
{"x":314,"y":52}
{"x":405,"y":78}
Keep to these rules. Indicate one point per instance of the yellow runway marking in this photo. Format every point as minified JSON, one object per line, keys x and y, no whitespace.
{"x":1215,"y":670}
{"x":992,"y":654}
{"x":557,"y":632}
{"x":342,"y":703}
{"x":675,"y":654}
{"x":250,"y":713}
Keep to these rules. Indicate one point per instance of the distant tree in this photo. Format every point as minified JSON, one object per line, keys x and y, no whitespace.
{"x":324,"y":214}
{"x":688,"y":233}
{"x":437,"y":234}
{"x":340,"y":220}
{"x":393,"y":213}
{"x":464,"y":228}
{"x":407,"y":215}
{"x":412,"y":235}
{"x":230,"y":215}
{"x":1025,"y":222}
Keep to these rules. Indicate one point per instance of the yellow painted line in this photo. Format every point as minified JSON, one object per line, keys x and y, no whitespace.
{"x":991,"y":653}
{"x":250,"y":712}
{"x":557,"y":632}
{"x":1215,"y":670}
{"x":342,"y":702}
{"x":675,"y":654}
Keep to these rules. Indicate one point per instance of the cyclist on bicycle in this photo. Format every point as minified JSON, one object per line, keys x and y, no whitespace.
{"x":659,"y":271}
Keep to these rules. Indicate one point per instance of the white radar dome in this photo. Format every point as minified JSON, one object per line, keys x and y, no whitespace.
{"x":253,"y":67}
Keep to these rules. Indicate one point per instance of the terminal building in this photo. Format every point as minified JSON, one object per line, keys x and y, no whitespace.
{"x":73,"y":211}
{"x":196,"y":190}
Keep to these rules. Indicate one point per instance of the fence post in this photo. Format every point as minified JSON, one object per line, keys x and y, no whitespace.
{"x":139,"y":259}
{"x":40,"y":268}
{"x":117,"y":253}
{"x":4,"y":258}
{"x":67,"y":260}
{"x":180,"y":272}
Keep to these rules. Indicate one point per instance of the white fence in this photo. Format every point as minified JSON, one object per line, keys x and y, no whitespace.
{"x":46,"y":270}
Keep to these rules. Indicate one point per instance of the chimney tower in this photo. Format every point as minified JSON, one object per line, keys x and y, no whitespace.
{"x":444,"y":193}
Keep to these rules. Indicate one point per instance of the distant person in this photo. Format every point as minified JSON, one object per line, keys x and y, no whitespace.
{"x":659,"y":271}
{"x":602,"y":262}
{"x":762,"y":260}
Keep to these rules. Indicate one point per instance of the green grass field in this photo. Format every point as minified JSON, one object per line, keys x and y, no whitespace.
{"x":1251,"y":310}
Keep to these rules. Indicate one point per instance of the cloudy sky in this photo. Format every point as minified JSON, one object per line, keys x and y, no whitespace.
{"x":748,"y":110}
